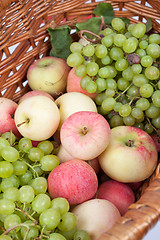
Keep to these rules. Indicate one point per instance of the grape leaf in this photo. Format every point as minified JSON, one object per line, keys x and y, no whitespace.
{"x":92,"y":24}
{"x":105,"y":10}
{"x":148,"y":25}
{"x":60,"y":41}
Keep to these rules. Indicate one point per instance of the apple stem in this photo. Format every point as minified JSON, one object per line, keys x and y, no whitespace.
{"x":130,"y":143}
{"x":84,"y":130}
{"x":26,"y":121}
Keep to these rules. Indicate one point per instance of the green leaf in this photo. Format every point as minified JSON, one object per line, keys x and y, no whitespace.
{"x":148,"y":25}
{"x":105,"y":10}
{"x":60,"y":41}
{"x":92,"y":24}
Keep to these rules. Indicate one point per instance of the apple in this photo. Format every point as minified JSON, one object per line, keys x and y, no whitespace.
{"x":74,"y":180}
{"x":94,"y":163}
{"x":34,"y":93}
{"x":85,"y":135}
{"x":7,"y":110}
{"x":48,"y":74}
{"x":73,"y":84}
{"x":96,"y":216}
{"x":37,"y":118}
{"x":156,"y":139}
{"x":131,"y":155}
{"x":120,"y":194}
{"x":72,"y":102}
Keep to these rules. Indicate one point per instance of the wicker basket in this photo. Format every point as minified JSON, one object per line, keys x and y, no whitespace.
{"x":24,"y":26}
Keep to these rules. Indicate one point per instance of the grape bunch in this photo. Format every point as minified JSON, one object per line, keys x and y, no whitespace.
{"x":121,"y":65}
{"x":26,"y":209}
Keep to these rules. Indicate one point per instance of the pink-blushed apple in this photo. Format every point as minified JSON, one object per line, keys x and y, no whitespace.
{"x":120,"y":194}
{"x":85,"y":135}
{"x":131,"y":155}
{"x":74,"y":180}
{"x":96,"y":216}
{"x":7,"y":110}
{"x":134,"y":185}
{"x":48,"y":74}
{"x":34,"y":93}
{"x":37,"y":118}
{"x":94,"y":163}
{"x":73,"y":84}
{"x":69,"y":103}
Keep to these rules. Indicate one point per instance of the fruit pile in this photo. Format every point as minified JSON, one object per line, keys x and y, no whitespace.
{"x":121,"y":66}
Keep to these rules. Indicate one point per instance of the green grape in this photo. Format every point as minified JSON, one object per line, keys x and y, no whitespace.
{"x":112,"y":71}
{"x":119,"y":40}
{"x":10,"y":154}
{"x":129,"y":120}
{"x":50,"y":218}
{"x":130,"y":45}
{"x":49,"y":162}
{"x":124,"y":99}
{"x":41,"y":203}
{"x":118,"y":24}
{"x":81,"y":71}
{"x":128,"y":74}
{"x":145,"y":37}
{"x":143,"y":104}
{"x":148,"y":128}
{"x":108,"y":104}
{"x":117,"y":106}
{"x":115,"y":121}
{"x":136,"y":68}
{"x":68,"y":234}
{"x":107,"y":41}
{"x":19,"y":167}
{"x":6,"y":169}
{"x":102,"y":111}
{"x":101,"y":51}
{"x":133,"y":91}
{"x":154,"y":38}
{"x":15,"y":180}
{"x":101,"y":84}
{"x":146,"y":90}
{"x":139,"y":80}
{"x":11,"y":194}
{"x":125,"y":110}
{"x":3,"y":143}
{"x":106,"y":60}
{"x":88,"y":50}
{"x":153,"y":50}
{"x":84,"y":81}
{"x":152,"y":111}
{"x":25,"y":178}
{"x":35,"y":154}
{"x":56,"y":236}
{"x":46,"y":146}
{"x":130,"y":27}
{"x":60,"y":203}
{"x":6,"y":183}
{"x":110,"y":92}
{"x":76,"y":47}
{"x":5,"y":237}
{"x":10,"y":137}
{"x":116,"y":53}
{"x":140,"y":52}
{"x":152,"y":73}
{"x":38,"y":171}
{"x":139,"y":125}
{"x":139,"y":120}
{"x":92,"y":69}
{"x":23,"y":214}
{"x":103,"y":72}
{"x":33,"y":230}
{"x":156,"y":98}
{"x":122,"y":84}
{"x":121,"y":64}
{"x":158,"y":84}
{"x":138,"y":30}
{"x":107,"y":31}
{"x":81,"y":235}
{"x":143,"y":44}
{"x":11,"y":221}
{"x":68,"y":221}
{"x":91,"y":87}
{"x":6,"y":206}
{"x":99,"y":98}
{"x":128,"y":35}
{"x":156,"y":122}
{"x":39,"y":185}
{"x":137,"y":113}
{"x":146,"y":61}
{"x":75,"y":59}
{"x":26,"y":194}
{"x":24,"y":145}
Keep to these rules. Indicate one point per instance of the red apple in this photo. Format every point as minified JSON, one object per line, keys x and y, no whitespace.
{"x":73,"y":84}
{"x":34,"y":93}
{"x":85,"y":135}
{"x":120,"y":194}
{"x":74,"y":180}
{"x":7,"y":110}
{"x":131,"y":155}
{"x":94,"y":163}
